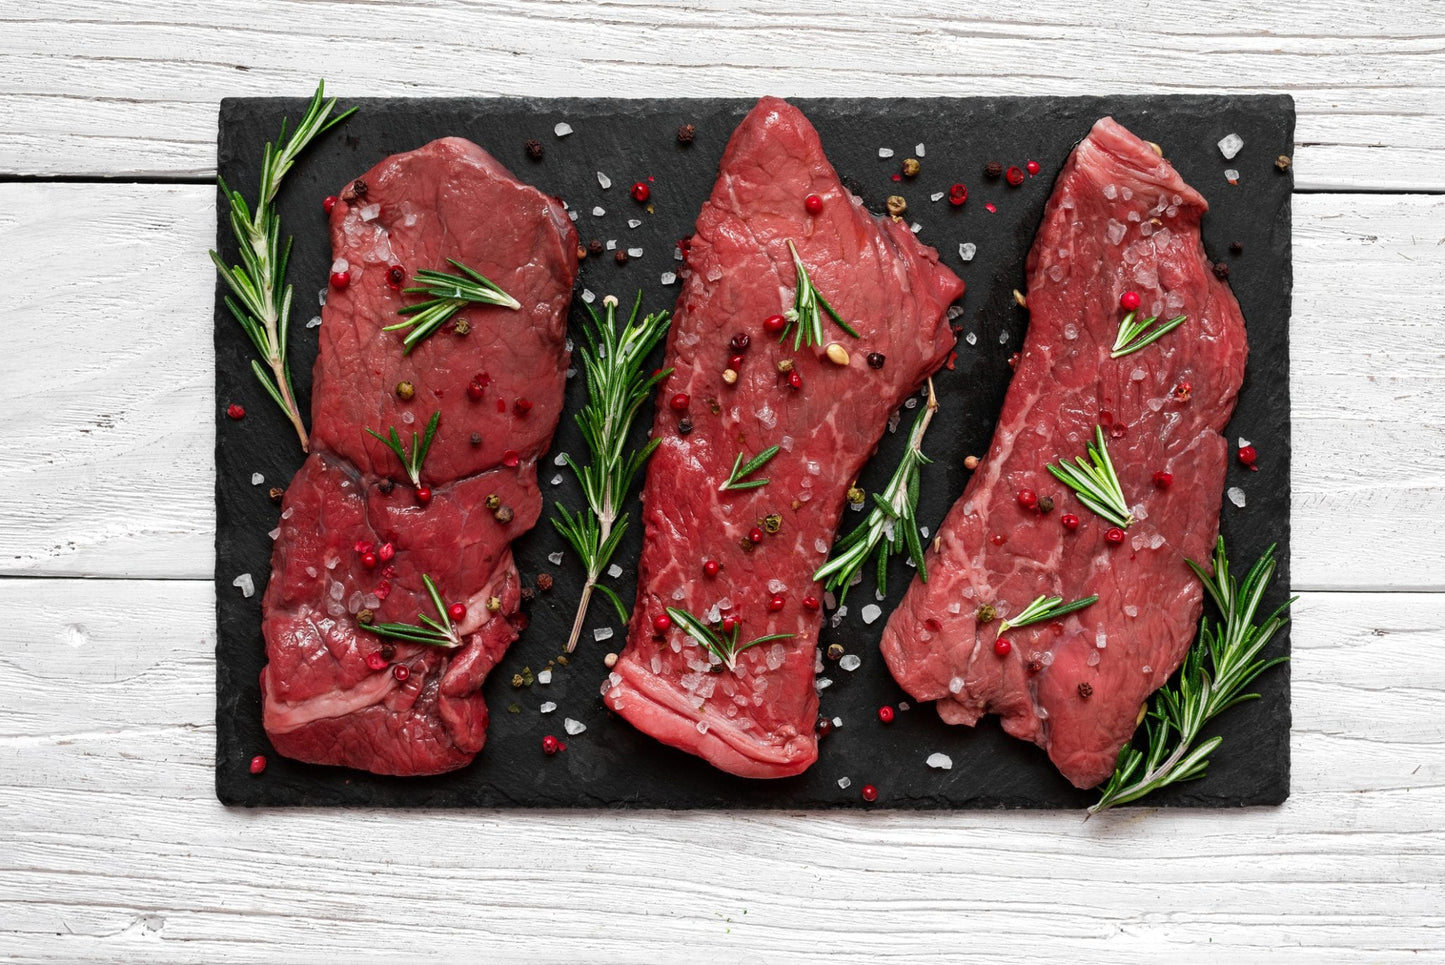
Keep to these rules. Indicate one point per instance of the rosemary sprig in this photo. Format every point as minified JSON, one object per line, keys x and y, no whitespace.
{"x":443,"y":634}
{"x":804,"y":319}
{"x":724,"y":645}
{"x":614,"y":359}
{"x":412,"y":461}
{"x":1134,"y":335}
{"x":449,"y":295}
{"x":1215,"y":672}
{"x":738,"y":478}
{"x":1042,"y":609}
{"x":892,"y":522}
{"x":1095,"y":482}
{"x":259,"y":298}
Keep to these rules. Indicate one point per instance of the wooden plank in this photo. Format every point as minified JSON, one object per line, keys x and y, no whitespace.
{"x":100,"y":89}
{"x":112,"y":846}
{"x":109,"y":473}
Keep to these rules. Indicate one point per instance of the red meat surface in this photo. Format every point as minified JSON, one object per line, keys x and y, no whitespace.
{"x":322,"y":703}
{"x":1120,"y":219}
{"x":757,"y":720}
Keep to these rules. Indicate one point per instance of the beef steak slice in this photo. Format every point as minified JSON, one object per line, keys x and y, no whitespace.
{"x":1120,"y":219}
{"x":322,"y":703}
{"x":757,"y":720}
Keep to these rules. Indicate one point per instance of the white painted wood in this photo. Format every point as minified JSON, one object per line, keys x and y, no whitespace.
{"x":105,"y":392}
{"x":113,"y":848}
{"x":97,"y":88}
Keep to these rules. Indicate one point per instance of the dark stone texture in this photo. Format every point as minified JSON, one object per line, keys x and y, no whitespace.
{"x":611,"y":765}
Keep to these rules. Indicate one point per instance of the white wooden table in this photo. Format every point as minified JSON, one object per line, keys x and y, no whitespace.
{"x":112,"y":845}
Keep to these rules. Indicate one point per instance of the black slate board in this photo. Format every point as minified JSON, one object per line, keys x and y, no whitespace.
{"x":612,"y":765}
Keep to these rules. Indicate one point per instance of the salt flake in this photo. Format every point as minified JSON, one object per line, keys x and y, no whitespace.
{"x":573,"y":727}
{"x":967,"y":250}
{"x":562,"y":129}
{"x":1236,"y":496}
{"x":1229,"y":145}
{"x":604,"y":180}
{"x":245,"y":584}
{"x":547,"y":707}
{"x":851,"y":661}
{"x":940,"y":761}
{"x":257,"y":479}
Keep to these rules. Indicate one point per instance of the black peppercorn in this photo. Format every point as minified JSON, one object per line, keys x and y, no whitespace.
{"x":684,"y":426}
{"x":594,"y":247}
{"x":276,"y":492}
{"x":740,"y":342}
{"x":686,"y":133}
{"x":992,"y":169}
{"x":527,"y":594}
{"x":358,"y":188}
{"x":388,"y":652}
{"x":1086,"y":690}
{"x":1046,"y":504}
{"x":534,"y":150}
{"x":504,"y":515}
{"x":544,"y":581}
{"x":876,"y":360}
{"x":1221,"y":270}
{"x":476,"y":438}
{"x":621,"y":256}
{"x":1235,"y":247}
{"x":386,"y":486}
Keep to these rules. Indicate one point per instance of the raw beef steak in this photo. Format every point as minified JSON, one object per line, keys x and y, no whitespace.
{"x":1120,"y":219}
{"x":756,"y":720}
{"x":416,"y":708}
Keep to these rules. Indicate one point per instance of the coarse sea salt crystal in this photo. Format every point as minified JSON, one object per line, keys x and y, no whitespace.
{"x":604,"y":180}
{"x":1236,"y":496}
{"x":845,"y":782}
{"x":1002,"y":338}
{"x":634,"y":252}
{"x":940,"y":761}
{"x":850,"y":662}
{"x":918,"y":149}
{"x":257,"y":479}
{"x":602,"y":633}
{"x":370,"y":212}
{"x":245,"y":584}
{"x":1229,"y":146}
{"x":915,"y":227}
{"x":1131,"y":610}
{"x":1138,"y":375}
{"x":971,"y":338}
{"x":936,"y":196}
{"x":870,"y":613}
{"x":885,"y":152}
{"x":321,"y":297}
{"x":668,"y":277}
{"x":1115,"y":231}
{"x":614,"y":571}
{"x":1244,"y":442}
{"x":314,"y":321}
{"x":275,"y":534}
{"x":562,"y":129}
{"x":587,"y":296}
{"x":573,"y":727}
{"x":598,"y":211}
{"x":555,"y":558}
{"x":823,"y":683}
{"x":967,"y":250}
{"x":955,"y":685}
{"x":547,"y":707}
{"x":634,"y":222}
{"x":340,"y":264}
{"x":1231,"y":175}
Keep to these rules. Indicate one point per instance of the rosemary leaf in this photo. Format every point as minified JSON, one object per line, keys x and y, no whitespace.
{"x":411,"y":462}
{"x":449,"y":295}
{"x":1096,"y":483}
{"x":441,"y":633}
{"x":894,"y":511}
{"x":1216,"y":670}
{"x":737,"y":479}
{"x":805,"y":321}
{"x":614,"y":359}
{"x":1134,"y":335}
{"x":259,"y":297}
{"x":722,"y":644}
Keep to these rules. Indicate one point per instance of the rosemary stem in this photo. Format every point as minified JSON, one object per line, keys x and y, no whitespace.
{"x":581,"y":617}
{"x":276,"y":357}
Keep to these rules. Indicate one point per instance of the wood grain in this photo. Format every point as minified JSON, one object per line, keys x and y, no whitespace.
{"x":112,"y":846}
{"x":110,"y":474}
{"x":100,"y":89}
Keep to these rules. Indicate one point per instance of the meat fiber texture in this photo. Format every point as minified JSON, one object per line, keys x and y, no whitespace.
{"x":1120,"y":219}
{"x":757,"y":721}
{"x":321,"y":702}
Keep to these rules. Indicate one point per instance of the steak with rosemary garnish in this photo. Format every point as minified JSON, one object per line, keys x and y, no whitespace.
{"x":356,"y":537}
{"x":1120,"y":220}
{"x":756,"y":718}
